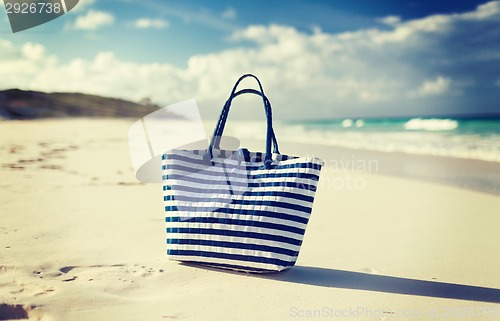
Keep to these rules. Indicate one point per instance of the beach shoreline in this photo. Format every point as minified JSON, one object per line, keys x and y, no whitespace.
{"x":82,"y":239}
{"x":478,"y":175}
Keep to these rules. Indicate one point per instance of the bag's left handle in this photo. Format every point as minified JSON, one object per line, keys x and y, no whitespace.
{"x":223,"y":117}
{"x":220,"y":127}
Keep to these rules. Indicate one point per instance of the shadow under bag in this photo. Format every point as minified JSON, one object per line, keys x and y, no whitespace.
{"x":236,"y":209}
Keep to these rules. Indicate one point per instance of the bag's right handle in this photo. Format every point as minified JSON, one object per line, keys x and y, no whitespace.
{"x":223,"y":117}
{"x":267,"y":106}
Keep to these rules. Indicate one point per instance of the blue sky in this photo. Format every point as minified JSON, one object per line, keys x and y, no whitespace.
{"x":317,"y":59}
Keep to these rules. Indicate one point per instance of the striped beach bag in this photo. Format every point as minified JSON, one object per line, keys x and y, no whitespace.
{"x":236,"y":209}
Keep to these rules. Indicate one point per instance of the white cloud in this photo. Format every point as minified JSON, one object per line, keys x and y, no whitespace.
{"x":24,"y":62}
{"x":484,"y":11}
{"x":145,"y":23}
{"x":7,"y":50}
{"x":314,"y":75}
{"x":94,"y":20}
{"x":229,"y":14}
{"x":437,"y":86}
{"x":203,"y":17}
{"x":33,"y":51}
{"x":390,"y":20}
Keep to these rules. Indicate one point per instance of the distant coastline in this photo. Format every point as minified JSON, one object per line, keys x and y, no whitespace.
{"x":17,"y":104}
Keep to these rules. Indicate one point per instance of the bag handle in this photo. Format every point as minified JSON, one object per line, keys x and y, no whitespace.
{"x":223,"y":117}
{"x":220,"y":127}
{"x":225,"y":110}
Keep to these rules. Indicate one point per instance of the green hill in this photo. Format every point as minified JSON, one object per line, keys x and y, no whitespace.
{"x":20,"y":104}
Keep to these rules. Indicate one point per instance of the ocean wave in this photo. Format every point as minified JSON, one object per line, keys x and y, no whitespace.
{"x":428,"y":142}
{"x":346,"y":123}
{"x":359,"y":123}
{"x":431,"y":124}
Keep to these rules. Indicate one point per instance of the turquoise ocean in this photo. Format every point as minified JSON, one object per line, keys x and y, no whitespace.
{"x":470,"y":138}
{"x":463,"y":152}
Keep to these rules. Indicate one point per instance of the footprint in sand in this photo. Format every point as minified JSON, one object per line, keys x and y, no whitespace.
{"x":46,"y":291}
{"x":4,"y":269}
{"x":114,"y":279}
{"x":70,"y":279}
{"x":46,"y":155}
{"x":18,"y":285}
{"x":115,"y":272}
{"x":49,"y":280}
{"x":23,"y":285}
{"x":15,"y":149}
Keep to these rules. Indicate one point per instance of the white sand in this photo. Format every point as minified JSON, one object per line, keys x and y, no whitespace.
{"x":81,"y":239}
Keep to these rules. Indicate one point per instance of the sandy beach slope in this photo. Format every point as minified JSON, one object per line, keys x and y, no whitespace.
{"x":81,"y":239}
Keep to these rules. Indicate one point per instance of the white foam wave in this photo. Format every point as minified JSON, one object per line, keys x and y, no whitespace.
{"x":346,"y":123}
{"x":468,"y":146}
{"x":359,"y":123}
{"x":431,"y":124}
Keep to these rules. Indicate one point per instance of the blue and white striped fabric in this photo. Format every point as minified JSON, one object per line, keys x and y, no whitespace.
{"x":260,"y":230}
{"x":239,"y":210}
